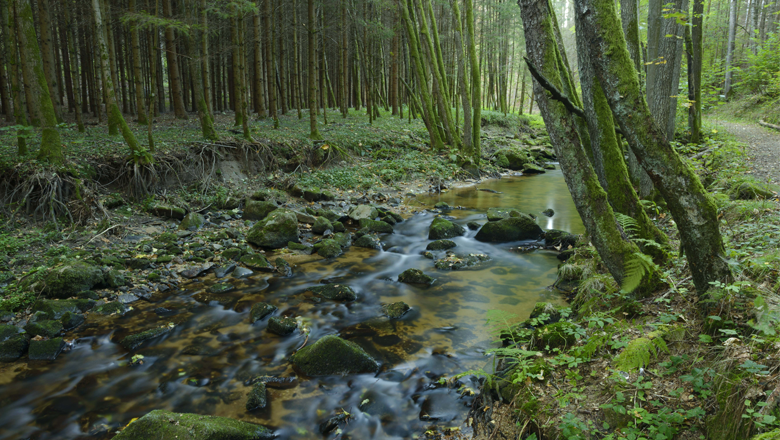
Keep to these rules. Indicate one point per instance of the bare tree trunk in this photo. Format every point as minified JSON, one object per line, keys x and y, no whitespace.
{"x":206,"y":71}
{"x":311,"y":69}
{"x":179,"y":110}
{"x":70,"y":28}
{"x":20,"y":114}
{"x":258,"y":67}
{"x":730,"y":47}
{"x":47,"y":54}
{"x":269,"y":61}
{"x":137,"y":76}
{"x":296,"y":74}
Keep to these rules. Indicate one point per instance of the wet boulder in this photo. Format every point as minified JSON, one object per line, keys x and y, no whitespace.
{"x":532,"y":168}
{"x":275,"y":231}
{"x":260,"y":311}
{"x":255,"y":210}
{"x":161,"y":424}
{"x":46,"y":350}
{"x":443,"y":228}
{"x":71,"y":320}
{"x":328,"y":248}
{"x":368,"y":241}
{"x":395,"y":310}
{"x":257,"y":398}
{"x":415,"y":276}
{"x":111,"y":308}
{"x":363,"y":212}
{"x":282,"y":326}
{"x":13,"y":343}
{"x":192,"y":221}
{"x":47,"y":329}
{"x":496,"y":214}
{"x":377,"y":226}
{"x":321,"y":224}
{"x":168,"y":212}
{"x":135,"y":341}
{"x":440,"y":245}
{"x":334,"y":292}
{"x":442,"y":206}
{"x":555,"y":238}
{"x":549,"y":212}
{"x":474,"y":225}
{"x":68,"y":279}
{"x":512,"y":158}
{"x":283,"y":267}
{"x":522,"y":227}
{"x":257,"y":262}
{"x":56,"y":309}
{"x":332,"y":355}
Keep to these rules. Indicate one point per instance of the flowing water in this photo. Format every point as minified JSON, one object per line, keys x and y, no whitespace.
{"x":201,"y":366}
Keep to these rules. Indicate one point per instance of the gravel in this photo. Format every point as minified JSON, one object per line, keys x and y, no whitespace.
{"x":763,"y":148}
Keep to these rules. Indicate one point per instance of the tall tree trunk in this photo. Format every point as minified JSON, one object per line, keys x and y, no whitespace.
{"x":269,"y":61}
{"x":20,"y":113}
{"x":692,"y":208}
{"x":30,"y":54}
{"x":476,"y":92}
{"x":258,"y":67}
{"x":139,"y":155}
{"x":70,"y":28}
{"x":344,"y":61}
{"x":296,"y":73}
{"x":137,"y":76}
{"x":204,"y":49}
{"x":47,"y":54}
{"x":694,"y":68}
{"x":238,"y":78}
{"x":311,"y":69}
{"x":280,"y":69}
{"x":730,"y":47}
{"x":174,"y":77}
{"x":8,"y":106}
{"x":195,"y":59}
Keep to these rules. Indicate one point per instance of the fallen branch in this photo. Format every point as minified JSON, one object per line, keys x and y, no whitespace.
{"x":767,"y":124}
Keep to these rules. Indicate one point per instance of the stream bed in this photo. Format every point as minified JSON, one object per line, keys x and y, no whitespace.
{"x":203,"y":364}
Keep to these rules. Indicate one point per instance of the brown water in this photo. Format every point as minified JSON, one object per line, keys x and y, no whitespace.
{"x":90,"y":391}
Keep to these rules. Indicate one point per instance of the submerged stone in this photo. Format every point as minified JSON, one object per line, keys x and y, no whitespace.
{"x":457,"y":262}
{"x":135,"y":341}
{"x":443,"y":228}
{"x":220,"y":288}
{"x":396,"y":310}
{"x":368,"y":241}
{"x":56,"y":309}
{"x":111,"y":308}
{"x":415,"y":276}
{"x":328,"y":248}
{"x":335,"y":292}
{"x":161,"y":424}
{"x":522,"y":227}
{"x":260,"y":311}
{"x":332,"y":355}
{"x":275,"y":231}
{"x":13,"y":343}
{"x":443,"y":206}
{"x":257,"y":262}
{"x":257,"y":397}
{"x":440,"y":245}
{"x":282,"y":326}
{"x":46,"y":350}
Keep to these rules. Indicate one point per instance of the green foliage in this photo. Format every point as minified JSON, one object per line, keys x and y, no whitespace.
{"x":762,"y":74}
{"x":639,"y":352}
{"x":636,"y":267}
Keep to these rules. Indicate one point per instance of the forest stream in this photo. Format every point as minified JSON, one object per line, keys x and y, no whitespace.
{"x":205,"y":364}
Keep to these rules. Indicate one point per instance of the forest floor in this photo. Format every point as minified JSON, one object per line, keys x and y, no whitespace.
{"x":763,"y":146}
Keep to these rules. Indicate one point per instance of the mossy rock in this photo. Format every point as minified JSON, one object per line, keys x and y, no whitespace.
{"x":138,"y":263}
{"x":47,"y":329}
{"x":328,"y":214}
{"x":257,"y":398}
{"x":257,"y":262}
{"x":377,"y":226}
{"x":233,"y":254}
{"x":275,"y":231}
{"x":496,"y":214}
{"x":442,"y":206}
{"x":442,"y":228}
{"x":509,"y":229}
{"x":300,"y":247}
{"x":192,"y":221}
{"x":13,"y":343}
{"x":334,"y":292}
{"x":328,"y":248}
{"x":332,"y":355}
{"x":56,"y":309}
{"x":415,"y":276}
{"x":558,"y":335}
{"x":754,"y":190}
{"x":440,"y":245}
{"x":313,"y":195}
{"x":551,"y":311}
{"x":395,"y":310}
{"x":368,"y":241}
{"x":70,"y":321}
{"x":360,"y":212}
{"x":282,"y":326}
{"x":269,"y":195}
{"x":555,"y":238}
{"x":458,"y":262}
{"x":260,"y":311}
{"x":339,"y":227}
{"x":115,"y":279}
{"x":474,"y":225}
{"x":168,"y":212}
{"x":321,"y":224}
{"x":344,"y":239}
{"x":532,"y":168}
{"x":220,"y":288}
{"x":111,"y":308}
{"x":46,"y":350}
{"x":161,"y":424}
{"x":133,"y":342}
{"x":512,"y":158}
{"x":255,"y":210}
{"x":68,"y":279}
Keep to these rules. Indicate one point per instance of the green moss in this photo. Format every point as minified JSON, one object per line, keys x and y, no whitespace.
{"x":47,"y":329}
{"x":111,"y":308}
{"x":440,"y":245}
{"x":254,"y":210}
{"x":275,"y":231}
{"x":257,"y":397}
{"x":376,"y":226}
{"x":328,"y":248}
{"x":257,"y":262}
{"x":522,"y":227}
{"x":161,"y":424}
{"x":395,"y":310}
{"x":135,"y":341}
{"x":321,"y":225}
{"x":68,"y":279}
{"x":192,"y":221}
{"x":441,"y":228}
{"x":337,"y":292}
{"x":415,"y":276}
{"x":282,"y":326}
{"x":332,"y":355}
{"x":260,"y":311}
{"x":558,"y":335}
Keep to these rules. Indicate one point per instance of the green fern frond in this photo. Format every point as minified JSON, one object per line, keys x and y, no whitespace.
{"x":661,"y":345}
{"x":636,"y":267}
{"x":648,"y":243}
{"x":639,"y":352}
{"x":628,"y":224}
{"x":595,"y":343}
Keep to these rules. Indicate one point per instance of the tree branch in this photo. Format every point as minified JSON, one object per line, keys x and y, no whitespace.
{"x":556,"y":94}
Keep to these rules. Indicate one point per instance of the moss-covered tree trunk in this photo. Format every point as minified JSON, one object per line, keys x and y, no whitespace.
{"x":311,"y":69}
{"x":139,"y":155}
{"x":20,"y":114}
{"x":476,"y":90}
{"x":270,"y":75}
{"x":137,"y":76}
{"x":204,"y":116}
{"x":70,"y":33}
{"x":174,"y":76}
{"x":608,"y":161}
{"x":697,"y":49}
{"x":47,"y":54}
{"x":30,"y":53}
{"x":692,"y":208}
{"x":463,"y":79}
{"x":204,"y":53}
{"x":590,"y":199}
{"x":258,"y":66}
{"x":238,"y":79}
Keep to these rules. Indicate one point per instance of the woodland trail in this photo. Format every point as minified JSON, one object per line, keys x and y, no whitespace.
{"x":763,"y":148}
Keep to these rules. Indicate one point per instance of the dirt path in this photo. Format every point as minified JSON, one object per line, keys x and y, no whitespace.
{"x":763,"y":148}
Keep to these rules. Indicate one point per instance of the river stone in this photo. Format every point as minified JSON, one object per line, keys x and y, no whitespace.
{"x":522,"y":227}
{"x":377,"y":226}
{"x":220,"y":288}
{"x":496,"y":214}
{"x":442,"y":228}
{"x":512,"y":158}
{"x":13,"y":342}
{"x":192,"y":221}
{"x":282,"y":326}
{"x":241,"y":272}
{"x":548,"y":212}
{"x":275,"y":231}
{"x":335,"y":292}
{"x":330,"y":215}
{"x":111,"y":308}
{"x":56,"y":309}
{"x":138,"y":263}
{"x":457,"y":262}
{"x":440,"y":245}
{"x":554,"y":237}
{"x":333,"y":355}
{"x":69,"y":279}
{"x":115,"y":279}
{"x":321,"y":224}
{"x":532,"y":168}
{"x":260,"y":311}
{"x":135,"y":341}
{"x":415,"y":276}
{"x":223,"y":271}
{"x":46,"y":350}
{"x":363,"y":211}
{"x":71,"y":320}
{"x":233,"y":254}
{"x":474,"y":225}
{"x":368,"y":241}
{"x":328,"y":248}
{"x":254,"y":210}
{"x":339,"y":227}
{"x":443,"y":206}
{"x":168,"y":212}
{"x":283,"y":267}
{"x":257,"y":262}
{"x":396,"y":310}
{"x":47,"y":329}
{"x":161,"y":424}
{"x":257,"y":397}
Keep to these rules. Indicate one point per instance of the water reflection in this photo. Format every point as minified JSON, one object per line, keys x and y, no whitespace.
{"x":202,"y":366}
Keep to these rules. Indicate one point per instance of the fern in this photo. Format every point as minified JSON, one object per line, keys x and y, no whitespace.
{"x":639,"y":352}
{"x":628,"y":224}
{"x":636,"y":267}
